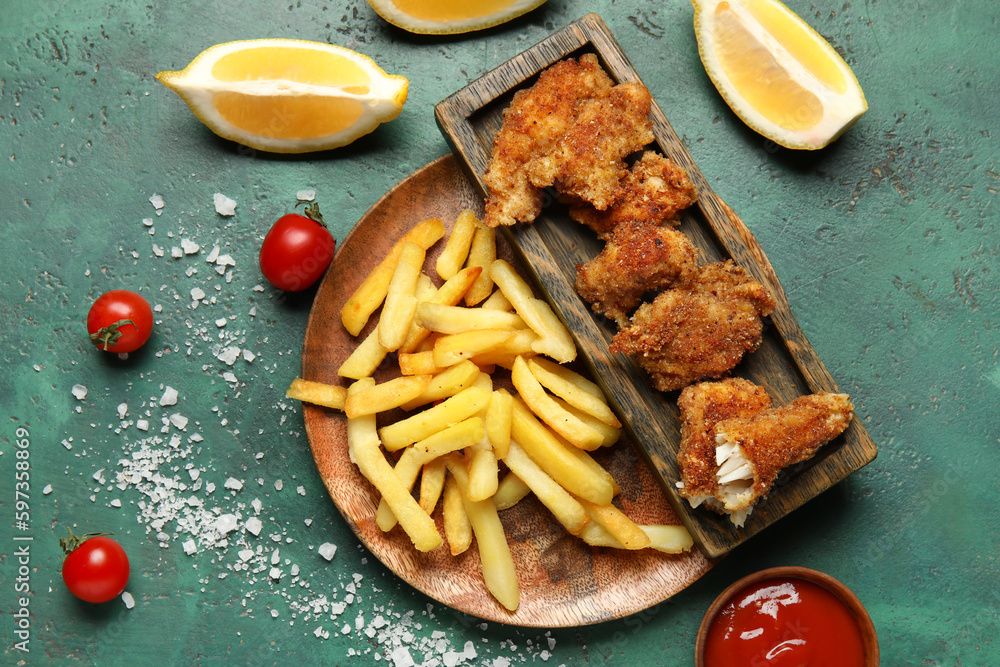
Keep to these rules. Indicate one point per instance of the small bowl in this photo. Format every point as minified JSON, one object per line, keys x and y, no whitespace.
{"x":868,"y":636}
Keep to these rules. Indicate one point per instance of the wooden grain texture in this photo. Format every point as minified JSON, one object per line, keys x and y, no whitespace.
{"x":786,"y":364}
{"x":563,"y":581}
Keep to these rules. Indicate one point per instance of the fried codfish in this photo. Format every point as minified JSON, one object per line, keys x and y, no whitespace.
{"x":638,"y":257}
{"x":655,"y":189}
{"x":699,"y":328}
{"x":587,"y":162}
{"x":535,"y":120}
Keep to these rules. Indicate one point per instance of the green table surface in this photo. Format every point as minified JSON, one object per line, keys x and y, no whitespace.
{"x":886,"y":243}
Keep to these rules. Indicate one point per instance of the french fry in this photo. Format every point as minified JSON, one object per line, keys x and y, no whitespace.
{"x":461,"y":406}
{"x":386,"y":396}
{"x":554,"y":339}
{"x":564,"y":507}
{"x":363,"y":447}
{"x":510,"y":491}
{"x":419,"y":363}
{"x":558,"y":418}
{"x":482,"y":253}
{"x":497,"y":420}
{"x":557,"y":458}
{"x":571,"y":377}
{"x":365,"y":358}
{"x":449,"y":294}
{"x":432,"y":484}
{"x":571,"y":392}
{"x":609,"y":434}
{"x":499,"y":574}
{"x":454,"y":320}
{"x":372,"y":292}
{"x":620,"y":526}
{"x":317,"y":393}
{"x":450,"y":350}
{"x":483,"y":471}
{"x":456,"y":249}
{"x":457,"y":529}
{"x":497,"y":301}
{"x":401,"y":299}
{"x":668,"y":539}
{"x":446,"y":383}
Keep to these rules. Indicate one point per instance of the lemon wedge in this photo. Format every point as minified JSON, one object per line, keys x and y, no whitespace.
{"x":777,"y":73}
{"x":288,"y":95}
{"x":442,"y":17}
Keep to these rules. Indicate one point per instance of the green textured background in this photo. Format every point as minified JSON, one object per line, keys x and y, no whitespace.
{"x":886,"y":243}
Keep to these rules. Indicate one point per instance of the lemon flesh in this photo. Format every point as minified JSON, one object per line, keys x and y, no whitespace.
{"x":778,"y":75}
{"x":288,"y":96}
{"x":450,"y":16}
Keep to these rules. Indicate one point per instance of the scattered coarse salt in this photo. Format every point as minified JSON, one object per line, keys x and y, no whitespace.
{"x":278,"y":484}
{"x":115,"y":502}
{"x":197,"y":294}
{"x":253,"y":525}
{"x":226,"y":523}
{"x":234,"y":484}
{"x":157,"y":250}
{"x":189,"y":547}
{"x":248,"y":355}
{"x":158,"y":203}
{"x":274,"y":573}
{"x":122,"y":410}
{"x":229,"y":377}
{"x":142,"y":424}
{"x":176,"y":252}
{"x":327,"y":550}
{"x":179,"y":421}
{"x":189,"y":247}
{"x":79,"y":391}
{"x":245,"y":554}
{"x":213,"y":255}
{"x":223,"y":204}
{"x":148,"y":222}
{"x":128,"y":600}
{"x":47,"y":490}
{"x":221,"y":322}
{"x":229,"y":355}
{"x":169,"y":396}
{"x":305,"y":195}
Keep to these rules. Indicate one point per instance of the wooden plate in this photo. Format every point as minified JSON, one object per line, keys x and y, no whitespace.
{"x":786,"y":364}
{"x":563,"y":581}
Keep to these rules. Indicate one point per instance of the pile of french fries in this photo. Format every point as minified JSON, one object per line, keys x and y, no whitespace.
{"x":449,"y":341}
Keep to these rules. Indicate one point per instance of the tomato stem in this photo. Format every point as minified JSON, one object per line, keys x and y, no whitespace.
{"x":71,"y":543}
{"x":110,"y":334}
{"x":312,"y":212}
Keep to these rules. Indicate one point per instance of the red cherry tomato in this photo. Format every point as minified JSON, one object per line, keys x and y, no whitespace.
{"x":297,"y":251}
{"x":96,"y":568}
{"x":120,"y":321}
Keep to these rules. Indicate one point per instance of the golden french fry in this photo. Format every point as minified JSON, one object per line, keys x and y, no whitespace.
{"x":456,"y":249}
{"x":419,"y":363}
{"x":461,"y":406}
{"x":401,"y":299}
{"x":363,"y":447}
{"x":571,"y":377}
{"x":609,"y":434}
{"x":564,"y":507}
{"x":498,"y":415}
{"x":370,"y":294}
{"x":499,"y":574}
{"x":425,"y":289}
{"x":483,"y":471}
{"x":510,"y":491}
{"x":317,"y":393}
{"x":668,"y":539}
{"x":446,"y":383}
{"x":432,"y":484}
{"x":457,"y":529}
{"x":449,"y":294}
{"x":620,"y":526}
{"x":450,"y":350}
{"x":558,"y":419}
{"x":554,"y":339}
{"x":557,"y":458}
{"x":497,"y":301}
{"x":482,"y":253}
{"x":407,"y":468}
{"x":364,"y":359}
{"x":571,"y":392}
{"x":386,"y":396}
{"x":454,"y":320}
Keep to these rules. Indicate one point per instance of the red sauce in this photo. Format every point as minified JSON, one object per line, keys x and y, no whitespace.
{"x":785,"y":622}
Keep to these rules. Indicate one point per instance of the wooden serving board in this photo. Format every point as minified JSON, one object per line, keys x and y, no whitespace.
{"x":785,"y":364}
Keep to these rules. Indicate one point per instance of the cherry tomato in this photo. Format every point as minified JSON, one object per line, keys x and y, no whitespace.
{"x":96,"y":568}
{"x":297,"y":251}
{"x":120,"y":321}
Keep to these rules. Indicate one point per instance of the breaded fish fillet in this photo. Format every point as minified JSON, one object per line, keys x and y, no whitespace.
{"x":751,"y":451}
{"x":655,"y":189}
{"x":700,"y":328}
{"x":702,"y":406}
{"x":638,"y":257}
{"x":587,"y":162}
{"x":534,"y":121}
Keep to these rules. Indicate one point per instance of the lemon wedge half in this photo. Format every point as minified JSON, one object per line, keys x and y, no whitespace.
{"x":288,"y":95}
{"x":442,"y":17}
{"x":777,"y":73}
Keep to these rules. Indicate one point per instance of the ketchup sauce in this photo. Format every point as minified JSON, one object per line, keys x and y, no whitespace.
{"x":784,"y":622}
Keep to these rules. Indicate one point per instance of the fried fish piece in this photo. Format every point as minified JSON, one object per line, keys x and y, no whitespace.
{"x":700,"y":328}
{"x":702,"y":406}
{"x":638,"y":257}
{"x":655,"y":189}
{"x":535,"y":120}
{"x":751,"y":451}
{"x":587,"y":162}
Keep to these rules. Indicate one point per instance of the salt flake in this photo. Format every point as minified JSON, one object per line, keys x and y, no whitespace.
{"x":223,"y":204}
